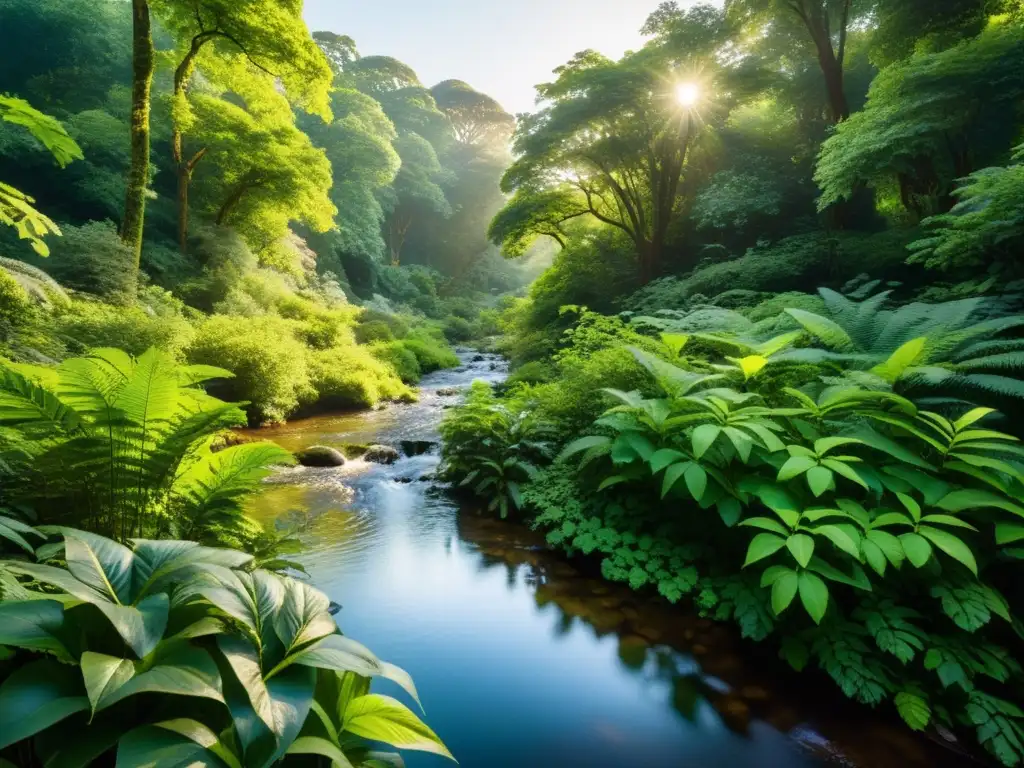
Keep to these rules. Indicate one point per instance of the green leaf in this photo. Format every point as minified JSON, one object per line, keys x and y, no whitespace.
{"x":35,"y":625}
{"x":1006,"y":533}
{"x":703,"y":437}
{"x":762,"y":546}
{"x":696,"y":480}
{"x":303,"y":616}
{"x":973,"y":415}
{"x":828,"y":331}
{"x":914,"y":710}
{"x":900,"y":360}
{"x":841,"y":468}
{"x":730,"y":510}
{"x":584,"y":444}
{"x":384,"y":719}
{"x":663,"y":458}
{"x":801,"y":546}
{"x":314,"y":745}
{"x":608,"y":482}
{"x":185,"y":671}
{"x":951,"y":545}
{"x":765,"y":524}
{"x":783,"y":591}
{"x":917,"y":549}
{"x":813,"y":595}
{"x":794,"y":466}
{"x":104,"y":675}
{"x":36,"y":696}
{"x":672,"y":475}
{"x":819,"y":480}
{"x":963,"y":499}
{"x":155,"y":747}
{"x":874,"y":556}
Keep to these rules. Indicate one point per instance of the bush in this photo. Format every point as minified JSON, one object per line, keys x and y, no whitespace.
{"x":399,"y":357}
{"x":271,"y":365}
{"x":375,"y":330}
{"x":88,"y":324}
{"x":93,"y":259}
{"x":352,"y":377}
{"x":432,"y":354}
{"x":456,"y":329}
{"x":534,"y":372}
{"x":797,"y":262}
{"x":16,"y":307}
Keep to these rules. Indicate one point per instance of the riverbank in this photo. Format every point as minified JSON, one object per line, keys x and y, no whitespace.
{"x":526,"y":658}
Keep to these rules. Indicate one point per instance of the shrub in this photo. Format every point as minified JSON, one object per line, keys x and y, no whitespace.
{"x":271,"y":365}
{"x":16,"y":308}
{"x":456,"y":329}
{"x":352,"y":377}
{"x":432,"y":354}
{"x":374,"y":330}
{"x":93,"y":259}
{"x":399,"y":357}
{"x":534,"y":372}
{"x":88,"y":324}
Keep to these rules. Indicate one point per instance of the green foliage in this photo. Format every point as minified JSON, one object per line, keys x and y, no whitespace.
{"x":87,"y":324}
{"x":914,"y":128}
{"x":123,"y":445}
{"x":93,"y":259}
{"x":984,"y":228}
{"x":492,"y":448}
{"x":197,"y":657}
{"x":352,"y":376}
{"x":269,"y":362}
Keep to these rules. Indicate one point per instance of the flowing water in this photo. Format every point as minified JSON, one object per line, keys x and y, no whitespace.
{"x":523,"y":660}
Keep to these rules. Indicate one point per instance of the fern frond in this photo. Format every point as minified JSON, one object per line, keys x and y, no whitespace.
{"x":30,"y":406}
{"x":210,"y":488}
{"x":1007,"y":361}
{"x":828,"y":331}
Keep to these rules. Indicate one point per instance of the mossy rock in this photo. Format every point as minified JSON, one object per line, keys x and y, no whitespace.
{"x":320,"y":456}
{"x":353,"y":450}
{"x":381,"y":454}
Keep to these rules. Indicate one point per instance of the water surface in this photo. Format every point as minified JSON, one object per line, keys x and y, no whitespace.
{"x":523,"y":660}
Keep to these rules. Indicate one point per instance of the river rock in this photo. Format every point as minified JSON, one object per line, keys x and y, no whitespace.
{"x":478,"y":359}
{"x":381,"y":454}
{"x":448,"y":391}
{"x":319,"y":456}
{"x":417,"y":447}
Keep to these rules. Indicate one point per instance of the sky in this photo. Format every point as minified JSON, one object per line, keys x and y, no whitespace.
{"x":500,"y":47}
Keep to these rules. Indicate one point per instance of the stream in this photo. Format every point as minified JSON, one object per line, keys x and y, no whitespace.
{"x":521,"y":659}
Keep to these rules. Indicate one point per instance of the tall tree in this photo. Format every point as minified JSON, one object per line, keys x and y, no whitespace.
{"x":270,"y":33}
{"x":612,"y":144}
{"x":476,"y":118}
{"x":825,"y":24}
{"x":142,"y":84}
{"x":417,"y":190}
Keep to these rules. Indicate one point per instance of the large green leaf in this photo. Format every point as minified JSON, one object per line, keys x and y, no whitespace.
{"x":914,"y":710}
{"x":185,"y":671}
{"x":917,"y":549}
{"x":784,"y":590}
{"x":830,"y":332}
{"x":973,"y":498}
{"x":153,"y":746}
{"x":104,"y":675}
{"x":36,"y":696}
{"x":314,"y":745}
{"x":34,"y":624}
{"x":384,"y":719}
{"x":303,"y":616}
{"x":158,"y":564}
{"x":801,"y":546}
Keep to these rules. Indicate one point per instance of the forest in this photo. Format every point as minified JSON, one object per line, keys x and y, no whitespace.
{"x":756,"y":282}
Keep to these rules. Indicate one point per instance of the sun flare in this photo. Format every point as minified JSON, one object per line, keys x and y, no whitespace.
{"x":687,"y":94}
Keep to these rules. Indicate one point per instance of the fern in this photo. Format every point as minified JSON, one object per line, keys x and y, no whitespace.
{"x":128,"y":440}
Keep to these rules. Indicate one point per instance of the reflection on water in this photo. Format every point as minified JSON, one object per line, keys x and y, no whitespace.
{"x":521,"y":660}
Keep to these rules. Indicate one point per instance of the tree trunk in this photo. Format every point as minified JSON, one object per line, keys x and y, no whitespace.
{"x":832,"y":69}
{"x":182,"y":76}
{"x":138,"y":172}
{"x":234,"y":198}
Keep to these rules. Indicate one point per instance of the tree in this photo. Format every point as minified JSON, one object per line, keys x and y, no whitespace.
{"x":825,"y":23}
{"x":417,"y":189}
{"x":476,"y":118}
{"x":358,"y":144}
{"x":930,"y":120}
{"x":271,"y":34}
{"x":379,"y":74}
{"x":262,"y":171}
{"x":340,"y":50}
{"x":142,"y":85}
{"x":615,"y":140}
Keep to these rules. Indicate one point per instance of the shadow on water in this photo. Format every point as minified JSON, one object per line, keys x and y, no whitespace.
{"x":524,"y":660}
